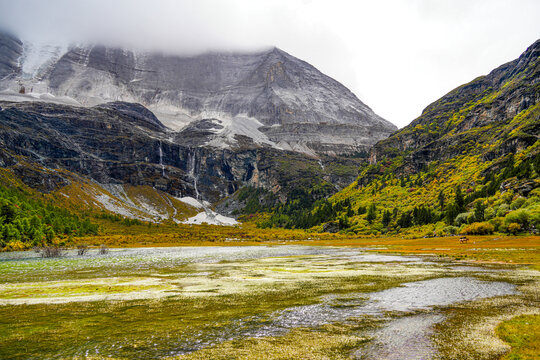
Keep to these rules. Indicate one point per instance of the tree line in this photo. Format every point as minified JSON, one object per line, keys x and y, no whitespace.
{"x":34,"y":222}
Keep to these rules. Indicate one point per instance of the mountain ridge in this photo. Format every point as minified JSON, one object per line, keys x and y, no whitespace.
{"x":488,"y":109}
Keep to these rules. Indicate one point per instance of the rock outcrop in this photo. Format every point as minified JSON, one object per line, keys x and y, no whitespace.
{"x":11,"y":50}
{"x":124,"y":143}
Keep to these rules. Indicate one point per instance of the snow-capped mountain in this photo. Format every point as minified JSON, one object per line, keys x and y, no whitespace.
{"x":269,"y":97}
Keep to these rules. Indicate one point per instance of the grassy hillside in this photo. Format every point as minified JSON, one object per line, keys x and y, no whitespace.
{"x":73,"y":216}
{"x":28,"y":218}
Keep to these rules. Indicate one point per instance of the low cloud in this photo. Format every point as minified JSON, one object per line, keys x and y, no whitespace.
{"x":396,"y":55}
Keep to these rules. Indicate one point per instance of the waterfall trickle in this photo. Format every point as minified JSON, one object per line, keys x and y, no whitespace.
{"x":191,"y":163}
{"x":161,"y":160}
{"x":321,"y":165}
{"x":191,"y":172}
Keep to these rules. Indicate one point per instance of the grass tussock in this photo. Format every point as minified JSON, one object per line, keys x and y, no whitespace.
{"x":522,"y":333}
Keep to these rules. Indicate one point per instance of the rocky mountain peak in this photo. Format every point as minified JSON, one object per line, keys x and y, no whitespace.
{"x":269,"y":96}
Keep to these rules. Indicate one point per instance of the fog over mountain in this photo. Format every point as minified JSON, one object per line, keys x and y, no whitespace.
{"x":396,"y":56}
{"x":268,"y":97}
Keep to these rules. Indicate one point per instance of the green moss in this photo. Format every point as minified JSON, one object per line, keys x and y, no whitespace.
{"x":328,"y":342}
{"x":76,"y":288}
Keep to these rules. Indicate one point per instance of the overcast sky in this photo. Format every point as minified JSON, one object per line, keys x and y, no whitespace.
{"x":397,"y":56}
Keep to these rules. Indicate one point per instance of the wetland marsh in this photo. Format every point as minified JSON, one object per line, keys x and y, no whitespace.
{"x":286,"y":301}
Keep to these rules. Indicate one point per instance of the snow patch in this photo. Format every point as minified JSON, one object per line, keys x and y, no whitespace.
{"x":171,"y":116}
{"x":193,"y":202}
{"x":238,"y":125}
{"x":176,"y":118}
{"x":212,"y":218}
{"x":12,"y":95}
{"x":38,"y":58}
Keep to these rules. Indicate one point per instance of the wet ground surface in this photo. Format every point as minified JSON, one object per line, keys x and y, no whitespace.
{"x":158,"y":273}
{"x":412,"y":331}
{"x":21,"y":264}
{"x":404,"y":338}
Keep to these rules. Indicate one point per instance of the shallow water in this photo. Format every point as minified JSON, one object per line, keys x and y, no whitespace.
{"x":186,"y":254}
{"x":404,"y":338}
{"x":423,"y":295}
{"x":389,"y":340}
{"x":420,"y":295}
{"x":156,"y":274}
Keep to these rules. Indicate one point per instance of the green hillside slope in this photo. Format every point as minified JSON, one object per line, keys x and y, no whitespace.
{"x":469,"y":164}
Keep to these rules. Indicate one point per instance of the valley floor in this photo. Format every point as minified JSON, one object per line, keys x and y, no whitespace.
{"x":312,"y":299}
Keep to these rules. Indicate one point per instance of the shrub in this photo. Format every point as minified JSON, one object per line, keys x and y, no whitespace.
{"x":451,"y":230}
{"x":462,"y":218}
{"x":503,"y":210}
{"x":520,"y":217}
{"x":82,"y":249}
{"x":489,"y":213}
{"x":50,"y":251}
{"x":497,"y":223}
{"x":16,"y":245}
{"x":508,"y":196}
{"x":534,"y":220}
{"x":514,"y":228}
{"x":103,"y":249}
{"x":438,"y":230}
{"x":535,"y":193}
{"x":478,"y":228}
{"x":531,"y":201}
{"x":516,"y":204}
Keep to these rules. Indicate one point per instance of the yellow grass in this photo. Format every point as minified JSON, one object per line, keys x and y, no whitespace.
{"x":523,"y":250}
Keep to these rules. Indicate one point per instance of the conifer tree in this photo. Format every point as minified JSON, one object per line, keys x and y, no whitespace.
{"x":371,"y":213}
